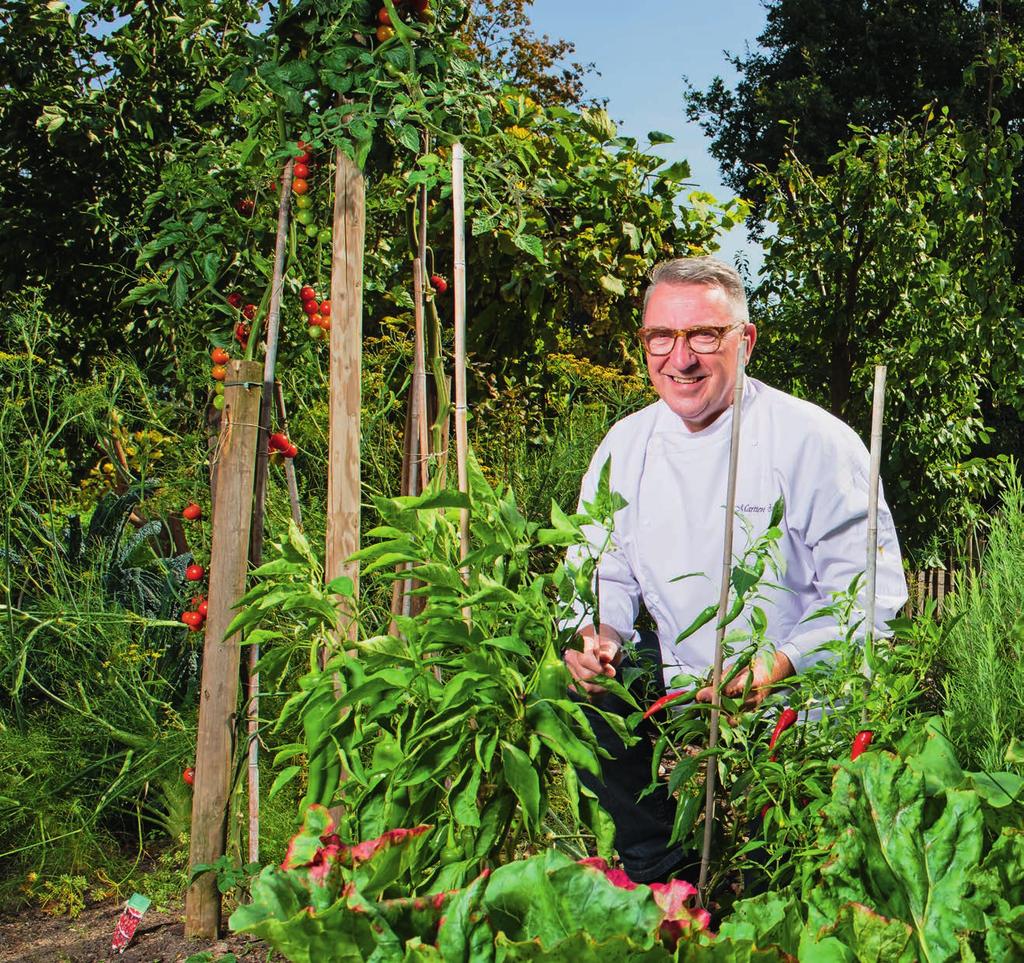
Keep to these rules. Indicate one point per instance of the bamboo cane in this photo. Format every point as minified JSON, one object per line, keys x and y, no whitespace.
{"x":877,"y":410}
{"x":260,"y":498}
{"x":459,"y":282}
{"x":723,"y":607}
{"x":422,"y":427}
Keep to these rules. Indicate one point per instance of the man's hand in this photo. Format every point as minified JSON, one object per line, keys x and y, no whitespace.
{"x":602,"y":651}
{"x":766,"y":673}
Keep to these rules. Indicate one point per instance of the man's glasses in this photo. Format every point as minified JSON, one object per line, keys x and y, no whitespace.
{"x":661,"y":341}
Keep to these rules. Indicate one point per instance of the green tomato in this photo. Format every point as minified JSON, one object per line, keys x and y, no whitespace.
{"x":312,"y":230}
{"x":304,"y":217}
{"x":218,"y":402}
{"x":218,"y":387}
{"x":324,"y":237}
{"x":302,"y":202}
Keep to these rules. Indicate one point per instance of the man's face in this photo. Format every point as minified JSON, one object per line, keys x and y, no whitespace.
{"x":697,"y":387}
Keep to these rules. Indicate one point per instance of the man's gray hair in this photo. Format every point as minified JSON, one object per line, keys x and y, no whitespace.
{"x":701,"y":270}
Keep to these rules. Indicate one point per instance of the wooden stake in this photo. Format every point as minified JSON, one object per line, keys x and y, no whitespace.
{"x":723,"y":608}
{"x":459,"y":283}
{"x":232,"y":519}
{"x":343,"y":491}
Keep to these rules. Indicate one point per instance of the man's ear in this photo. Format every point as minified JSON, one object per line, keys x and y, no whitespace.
{"x":750,"y":333}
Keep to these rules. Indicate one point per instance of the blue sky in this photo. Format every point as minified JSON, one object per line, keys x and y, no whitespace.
{"x":642,"y":53}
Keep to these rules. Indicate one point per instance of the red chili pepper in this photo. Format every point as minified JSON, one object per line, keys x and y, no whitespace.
{"x":666,"y":700}
{"x":786,"y":718}
{"x":860,"y":742}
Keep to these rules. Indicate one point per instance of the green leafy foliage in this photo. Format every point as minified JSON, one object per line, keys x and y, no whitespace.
{"x":445,"y":718}
{"x":914,"y":859}
{"x":326,"y":898}
{"x":863,"y":63}
{"x":897,"y":255}
{"x":982,"y":655}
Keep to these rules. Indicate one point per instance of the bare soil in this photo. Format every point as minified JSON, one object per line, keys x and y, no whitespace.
{"x":34,"y":937}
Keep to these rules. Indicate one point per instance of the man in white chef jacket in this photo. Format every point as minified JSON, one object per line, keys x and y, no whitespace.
{"x":670,"y":464}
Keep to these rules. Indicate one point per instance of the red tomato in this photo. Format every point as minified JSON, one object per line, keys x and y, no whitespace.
{"x":278,"y":441}
{"x":421,"y":6}
{"x":219,"y":356}
{"x":385,"y":33}
{"x":204,"y":608}
{"x":325,"y":323}
{"x":192,"y":512}
{"x":235,"y":299}
{"x":249,"y":312}
{"x":310,"y":307}
{"x":383,"y":17}
{"x":218,"y":372}
{"x":306,"y":293}
{"x":242,"y":332}
{"x":325,"y":308}
{"x":439,"y":282}
{"x":246,"y":206}
{"x":304,"y":158}
{"x":301,"y":172}
{"x":192,"y":619}
{"x":291,"y":451}
{"x":299,"y":186}
{"x":188,"y":776}
{"x":316,"y":319}
{"x":195,"y":573}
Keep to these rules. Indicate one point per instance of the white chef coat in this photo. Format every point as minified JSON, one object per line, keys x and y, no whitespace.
{"x":674,"y":483}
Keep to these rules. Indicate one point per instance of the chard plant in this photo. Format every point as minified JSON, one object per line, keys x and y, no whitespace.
{"x":914,"y":858}
{"x":326,"y":901}
{"x":463,"y":724}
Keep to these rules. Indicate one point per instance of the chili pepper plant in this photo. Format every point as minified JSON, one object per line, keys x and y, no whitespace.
{"x":461,"y":722}
{"x":776,"y":760}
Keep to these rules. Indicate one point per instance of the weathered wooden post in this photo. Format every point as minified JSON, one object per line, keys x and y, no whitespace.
{"x":343,"y":485}
{"x":218,"y":704}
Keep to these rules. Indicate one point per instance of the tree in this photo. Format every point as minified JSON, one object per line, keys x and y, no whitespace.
{"x":898,"y":254}
{"x":502,"y":39}
{"x":89,"y":114}
{"x":820,"y":68}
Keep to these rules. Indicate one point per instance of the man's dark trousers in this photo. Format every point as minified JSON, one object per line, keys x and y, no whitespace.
{"x":643,"y":827}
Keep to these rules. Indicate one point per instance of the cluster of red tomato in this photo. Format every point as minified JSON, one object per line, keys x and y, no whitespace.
{"x":196,"y":616}
{"x":243,"y":328}
{"x":419,"y":8}
{"x":301,"y":173}
{"x":281,"y":447}
{"x":218,"y":372}
{"x":318,"y":313}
